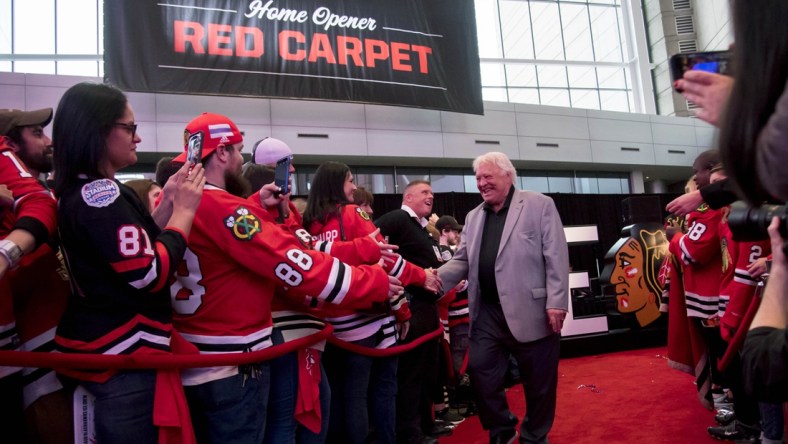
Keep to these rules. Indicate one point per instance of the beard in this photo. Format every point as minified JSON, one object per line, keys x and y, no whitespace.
{"x":236,"y":184}
{"x":42,"y":163}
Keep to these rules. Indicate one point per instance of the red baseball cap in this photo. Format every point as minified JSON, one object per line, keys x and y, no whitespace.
{"x":216,"y":130}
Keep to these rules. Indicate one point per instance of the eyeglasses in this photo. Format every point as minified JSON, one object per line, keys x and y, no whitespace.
{"x":131,"y":127}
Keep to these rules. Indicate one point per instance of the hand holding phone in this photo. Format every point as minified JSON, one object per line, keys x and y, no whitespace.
{"x":718,"y":62}
{"x":282,"y":174}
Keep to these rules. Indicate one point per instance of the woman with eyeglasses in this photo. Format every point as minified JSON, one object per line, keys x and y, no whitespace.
{"x":119,"y":259}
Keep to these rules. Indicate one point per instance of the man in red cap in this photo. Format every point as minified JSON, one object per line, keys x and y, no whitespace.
{"x":29,"y":223}
{"x":237,"y":257}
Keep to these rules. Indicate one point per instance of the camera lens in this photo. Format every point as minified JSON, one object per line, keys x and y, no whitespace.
{"x":751,"y":224}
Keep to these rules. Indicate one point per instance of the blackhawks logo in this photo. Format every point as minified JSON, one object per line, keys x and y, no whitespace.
{"x":243,"y":224}
{"x":362,"y":213}
{"x":704,"y":207}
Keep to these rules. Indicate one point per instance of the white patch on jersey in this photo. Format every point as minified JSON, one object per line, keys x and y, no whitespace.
{"x":100,"y":193}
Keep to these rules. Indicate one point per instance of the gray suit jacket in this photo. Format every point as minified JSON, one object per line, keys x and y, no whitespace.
{"x":531,"y":270}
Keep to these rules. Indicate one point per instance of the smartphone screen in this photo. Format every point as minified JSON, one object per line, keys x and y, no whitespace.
{"x":194,"y":150}
{"x":711,"y":61}
{"x":282,"y":174}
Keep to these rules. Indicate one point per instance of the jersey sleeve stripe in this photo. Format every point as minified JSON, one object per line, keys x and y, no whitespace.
{"x":686,"y":256}
{"x":131,"y":264}
{"x":323,"y":246}
{"x":338,"y":283}
{"x":164,"y":270}
{"x":150,"y":276}
{"x":398,"y":267}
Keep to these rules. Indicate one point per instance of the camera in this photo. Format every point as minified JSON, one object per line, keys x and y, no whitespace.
{"x":749,"y":223}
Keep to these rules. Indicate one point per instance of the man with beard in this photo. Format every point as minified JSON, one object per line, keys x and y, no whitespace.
{"x":221,"y":300}
{"x":39,"y":281}
{"x":417,"y":371}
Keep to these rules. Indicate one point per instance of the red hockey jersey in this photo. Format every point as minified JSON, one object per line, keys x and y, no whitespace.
{"x":699,"y":251}
{"x":349,"y":325}
{"x":737,"y":287}
{"x":236,"y":259}
{"x":34,"y":210}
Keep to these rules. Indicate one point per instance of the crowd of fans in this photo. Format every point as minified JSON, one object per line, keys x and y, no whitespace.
{"x":209,"y":258}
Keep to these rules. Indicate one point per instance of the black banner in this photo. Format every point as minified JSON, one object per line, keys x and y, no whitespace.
{"x":419,"y":53}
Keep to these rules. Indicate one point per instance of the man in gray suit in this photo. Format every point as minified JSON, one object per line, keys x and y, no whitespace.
{"x":514,"y":255}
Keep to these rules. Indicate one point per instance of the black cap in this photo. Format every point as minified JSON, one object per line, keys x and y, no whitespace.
{"x":447,"y":222}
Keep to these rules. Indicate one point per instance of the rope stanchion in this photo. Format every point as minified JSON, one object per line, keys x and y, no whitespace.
{"x":12,"y":358}
{"x":391,"y":351}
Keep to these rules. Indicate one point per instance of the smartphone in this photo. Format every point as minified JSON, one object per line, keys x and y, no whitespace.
{"x":712,"y":61}
{"x":282,"y":174}
{"x":194,"y":150}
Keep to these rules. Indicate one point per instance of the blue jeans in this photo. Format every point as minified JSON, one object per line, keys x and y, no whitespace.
{"x":772,"y":420}
{"x":354,"y":378}
{"x":281,"y":426}
{"x":124,"y":407}
{"x":230,"y":409}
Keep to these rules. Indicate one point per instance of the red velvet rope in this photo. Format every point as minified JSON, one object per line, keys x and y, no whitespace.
{"x":12,"y":358}
{"x":383,"y":352}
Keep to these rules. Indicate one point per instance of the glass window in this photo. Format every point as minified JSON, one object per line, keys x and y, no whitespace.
{"x":535,"y":183}
{"x":377,"y":180}
{"x":611,"y":78}
{"x":614,"y":100}
{"x":521,"y":75}
{"x":560,"y":183}
{"x":78,"y":68}
{"x":470,"y":183}
{"x":34,"y":29}
{"x":604,"y":28}
{"x":492,"y":74}
{"x":494,"y":94}
{"x":625,"y":185}
{"x":408,"y":175}
{"x":486,"y":23}
{"x":516,"y":30}
{"x":555,"y":97}
{"x":582,"y":76}
{"x":552,"y":76}
{"x":5,"y":28}
{"x":577,"y":32}
{"x":35,"y":67}
{"x":584,"y":98}
{"x":548,"y":41}
{"x":445,"y":182}
{"x":77,"y":27}
{"x":586,"y":185}
{"x":609,"y":185}
{"x":524,"y":95}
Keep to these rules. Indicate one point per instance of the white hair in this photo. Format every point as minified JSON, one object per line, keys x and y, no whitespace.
{"x":499,"y":160}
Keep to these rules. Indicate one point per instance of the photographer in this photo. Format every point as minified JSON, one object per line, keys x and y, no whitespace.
{"x":754,"y":138}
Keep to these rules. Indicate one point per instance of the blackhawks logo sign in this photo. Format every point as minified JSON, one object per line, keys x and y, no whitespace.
{"x":243,"y":224}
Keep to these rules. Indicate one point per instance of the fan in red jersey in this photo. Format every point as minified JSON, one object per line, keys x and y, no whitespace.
{"x":28,"y":223}
{"x":237,"y":258}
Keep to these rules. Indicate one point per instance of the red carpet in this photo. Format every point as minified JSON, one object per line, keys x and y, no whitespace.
{"x":640,"y":400}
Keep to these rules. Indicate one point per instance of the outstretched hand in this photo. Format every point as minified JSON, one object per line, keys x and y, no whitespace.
{"x":395,"y":287}
{"x":433,"y":283}
{"x":685,"y":204}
